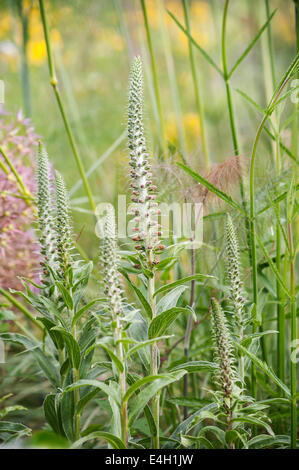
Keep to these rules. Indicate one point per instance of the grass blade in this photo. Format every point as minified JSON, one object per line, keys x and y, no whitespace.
{"x":248,"y":49}
{"x":211,"y":187}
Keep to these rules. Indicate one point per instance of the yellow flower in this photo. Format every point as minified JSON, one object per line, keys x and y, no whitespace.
{"x":191,"y":126}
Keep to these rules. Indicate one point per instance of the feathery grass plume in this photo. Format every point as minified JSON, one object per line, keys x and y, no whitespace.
{"x":226,"y":375}
{"x":147,"y":230}
{"x":46,"y":223}
{"x":65,"y":242}
{"x":112,"y":283}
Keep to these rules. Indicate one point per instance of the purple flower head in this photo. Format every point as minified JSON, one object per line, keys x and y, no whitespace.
{"x":18,"y":250}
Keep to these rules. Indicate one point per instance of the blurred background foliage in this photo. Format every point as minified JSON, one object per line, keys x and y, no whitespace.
{"x":93,"y":43}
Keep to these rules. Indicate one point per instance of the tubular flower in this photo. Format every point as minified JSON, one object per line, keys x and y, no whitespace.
{"x":147,"y":230}
{"x":233,"y":272}
{"x":109,"y":257}
{"x":223,"y":353}
{"x":63,"y":226}
{"x":46,"y":223}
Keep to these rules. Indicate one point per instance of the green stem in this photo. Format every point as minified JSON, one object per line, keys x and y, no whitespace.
{"x":155,"y":79}
{"x":280,"y":308}
{"x":15,"y":172}
{"x":76,"y":401}
{"x":21,"y":307}
{"x":24,"y":18}
{"x":232,"y":121}
{"x":270,"y":44}
{"x":272,"y":102}
{"x":293,"y":340}
{"x":228,"y":94}
{"x":122,"y":382}
{"x":54,"y":83}
{"x":200,"y":110}
{"x":154,"y":367}
{"x":172,"y":78}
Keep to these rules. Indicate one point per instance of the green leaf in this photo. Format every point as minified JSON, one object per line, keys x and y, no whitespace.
{"x":143,"y":344}
{"x":248,"y":49}
{"x":188,"y":441}
{"x":111,"y":354}
{"x":262,"y":441}
{"x":146,"y":306}
{"x":148,"y":392}
{"x":203,"y":52}
{"x":273,"y":267}
{"x":166,"y":263}
{"x":44,"y":362}
{"x":139,"y":383}
{"x":185,"y":425}
{"x":7,"y":426}
{"x":251,"y":101}
{"x":51,"y":414}
{"x":83,"y":309}
{"x":114,"y":441}
{"x":163,"y":321}
{"x":255,"y":421}
{"x":11,"y":409}
{"x":211,"y":187}
{"x":196,"y":366}
{"x":71,"y":346}
{"x":91,"y":383}
{"x":48,"y":440}
{"x":66,"y":295}
{"x":170,"y":299}
{"x":182,"y":281}
{"x":265,"y":368}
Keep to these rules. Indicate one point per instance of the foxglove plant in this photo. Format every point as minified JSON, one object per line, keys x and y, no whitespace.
{"x":46,"y":223}
{"x":65,"y":243}
{"x":113,"y":291}
{"x":147,"y":230}
{"x":224,"y":357}
{"x":235,"y":283}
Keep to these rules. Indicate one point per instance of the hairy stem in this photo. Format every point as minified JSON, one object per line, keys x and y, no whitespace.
{"x":154,"y":367}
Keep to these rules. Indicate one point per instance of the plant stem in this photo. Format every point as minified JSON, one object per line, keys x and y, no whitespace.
{"x":54,"y":83}
{"x":122,"y":382}
{"x":280,"y":307}
{"x":154,"y":367}
{"x":270,"y":44}
{"x":24,"y":190}
{"x":272,"y":102}
{"x":189,"y":329}
{"x":155,"y":80}
{"x":293,"y":339}
{"x":21,"y":307}
{"x":228,"y":95}
{"x":24,"y":18}
{"x":232,"y":121}
{"x":200,"y":110}
{"x":172,"y":78}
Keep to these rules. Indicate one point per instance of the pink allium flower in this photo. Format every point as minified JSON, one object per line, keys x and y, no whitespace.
{"x":18,"y":250}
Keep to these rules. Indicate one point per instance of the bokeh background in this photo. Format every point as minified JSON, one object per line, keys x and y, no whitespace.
{"x":93,"y":43}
